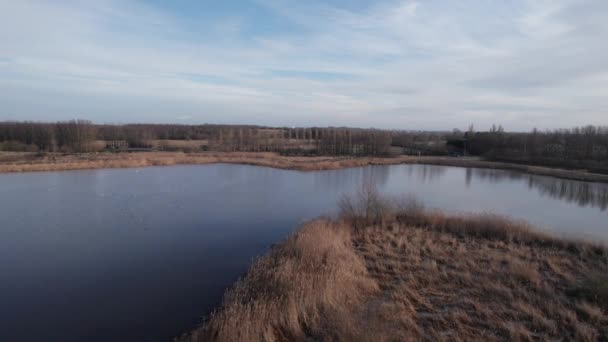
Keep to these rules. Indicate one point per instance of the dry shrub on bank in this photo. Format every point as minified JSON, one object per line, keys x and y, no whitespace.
{"x":367,"y":207}
{"x":305,"y":287}
{"x":498,"y":228}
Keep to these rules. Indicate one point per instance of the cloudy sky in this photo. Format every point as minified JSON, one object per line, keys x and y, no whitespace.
{"x":394,"y":64}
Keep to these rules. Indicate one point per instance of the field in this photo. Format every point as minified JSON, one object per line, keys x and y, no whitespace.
{"x":31,"y":161}
{"x":396,"y":272}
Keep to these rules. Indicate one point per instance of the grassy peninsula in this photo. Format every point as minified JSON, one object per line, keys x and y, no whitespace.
{"x":389,"y":270}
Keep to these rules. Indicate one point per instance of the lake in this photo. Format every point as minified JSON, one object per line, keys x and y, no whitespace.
{"x":143,"y":254}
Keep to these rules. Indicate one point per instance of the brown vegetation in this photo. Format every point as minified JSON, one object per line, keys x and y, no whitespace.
{"x":24,"y":162}
{"x":391,"y":271}
{"x":307,"y":287}
{"x":30,"y":161}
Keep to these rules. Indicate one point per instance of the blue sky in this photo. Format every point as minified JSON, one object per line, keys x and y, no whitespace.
{"x":391,"y":64}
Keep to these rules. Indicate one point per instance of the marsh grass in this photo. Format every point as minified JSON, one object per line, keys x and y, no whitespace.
{"x":307,"y":286}
{"x":388,"y":270}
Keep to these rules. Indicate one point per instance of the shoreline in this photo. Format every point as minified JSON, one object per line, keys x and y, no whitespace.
{"x":416,"y":275}
{"x":14,"y":162}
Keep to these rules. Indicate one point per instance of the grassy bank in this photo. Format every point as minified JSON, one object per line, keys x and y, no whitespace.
{"x":26,"y":162}
{"x":392,"y":271}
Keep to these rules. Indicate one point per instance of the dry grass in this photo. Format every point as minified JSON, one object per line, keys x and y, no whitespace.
{"x":26,"y":161}
{"x":306,"y":287}
{"x":403,"y":273}
{"x":468,"y":287}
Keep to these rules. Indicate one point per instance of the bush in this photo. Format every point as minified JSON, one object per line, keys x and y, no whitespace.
{"x":364,"y":208}
{"x":368,"y":207}
{"x":594,"y":289}
{"x":17,"y":146}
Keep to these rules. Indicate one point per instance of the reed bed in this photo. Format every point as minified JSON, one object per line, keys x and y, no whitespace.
{"x":388,"y":270}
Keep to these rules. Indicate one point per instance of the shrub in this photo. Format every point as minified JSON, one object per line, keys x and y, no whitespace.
{"x":594,"y":289}
{"x":366,"y":207}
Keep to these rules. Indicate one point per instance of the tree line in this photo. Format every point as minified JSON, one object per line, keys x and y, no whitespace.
{"x":345,"y":141}
{"x":80,"y":135}
{"x":581,"y":147}
{"x":66,"y":136}
{"x":302,"y":140}
{"x":421,"y":142}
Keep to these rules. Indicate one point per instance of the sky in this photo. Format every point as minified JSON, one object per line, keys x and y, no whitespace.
{"x":419,"y":65}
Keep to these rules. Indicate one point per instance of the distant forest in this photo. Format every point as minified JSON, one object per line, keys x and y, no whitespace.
{"x":577,"y":148}
{"x":581,"y":148}
{"x":84,"y":136}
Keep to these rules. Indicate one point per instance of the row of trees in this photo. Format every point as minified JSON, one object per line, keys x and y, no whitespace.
{"x":345,"y":141}
{"x":585,"y":147}
{"x":246,"y":139}
{"x":157,"y":131}
{"x":79,"y":135}
{"x":69,"y":136}
{"x":580,"y":147}
{"x":421,"y":142}
{"x":313,"y":140}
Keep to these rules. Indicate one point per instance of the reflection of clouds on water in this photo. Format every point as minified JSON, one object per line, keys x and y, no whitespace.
{"x":351,"y":178}
{"x":583,"y":193}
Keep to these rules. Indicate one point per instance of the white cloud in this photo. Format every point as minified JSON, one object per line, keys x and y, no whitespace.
{"x":404,"y":64}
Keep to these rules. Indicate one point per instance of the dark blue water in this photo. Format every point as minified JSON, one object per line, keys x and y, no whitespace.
{"x":143,"y":254}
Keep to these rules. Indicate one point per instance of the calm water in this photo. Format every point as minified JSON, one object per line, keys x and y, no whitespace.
{"x":142,"y":254}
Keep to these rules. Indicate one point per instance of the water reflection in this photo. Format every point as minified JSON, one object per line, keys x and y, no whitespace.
{"x":338,"y":180}
{"x":140,"y":255}
{"x":428,"y":173}
{"x":582,"y":193}
{"x":493,"y":176}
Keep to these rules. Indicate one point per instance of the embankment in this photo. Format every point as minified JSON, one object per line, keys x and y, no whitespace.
{"x":27,"y":162}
